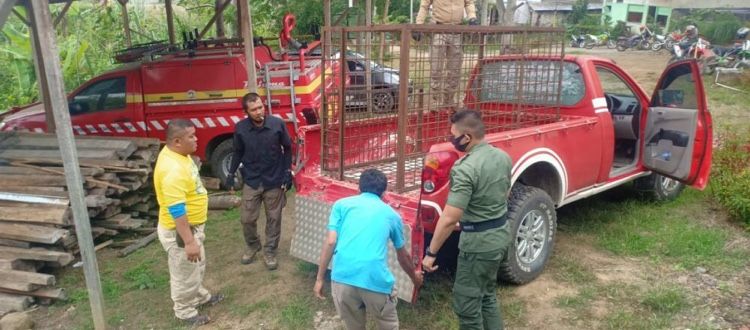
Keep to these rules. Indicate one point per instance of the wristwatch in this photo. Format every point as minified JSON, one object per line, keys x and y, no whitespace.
{"x":429,"y":253}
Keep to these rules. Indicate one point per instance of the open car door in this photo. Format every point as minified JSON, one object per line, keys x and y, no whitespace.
{"x":677,"y":139}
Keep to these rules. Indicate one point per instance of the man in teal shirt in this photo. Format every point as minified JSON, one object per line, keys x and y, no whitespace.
{"x":480,"y":184}
{"x":358,"y":233}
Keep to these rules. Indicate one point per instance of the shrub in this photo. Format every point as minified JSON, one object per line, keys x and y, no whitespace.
{"x":717,"y":27}
{"x":731,"y":174}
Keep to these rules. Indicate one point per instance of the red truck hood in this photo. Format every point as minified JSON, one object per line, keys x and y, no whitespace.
{"x":34,"y":109}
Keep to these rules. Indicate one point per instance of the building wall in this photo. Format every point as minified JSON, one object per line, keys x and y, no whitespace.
{"x":622,"y":11}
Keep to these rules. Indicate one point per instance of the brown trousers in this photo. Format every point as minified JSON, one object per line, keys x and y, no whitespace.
{"x":445,"y":67}
{"x":274,"y":201}
{"x":352,"y":302}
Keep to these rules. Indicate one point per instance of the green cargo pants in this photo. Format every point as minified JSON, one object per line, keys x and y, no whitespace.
{"x":474,"y":294}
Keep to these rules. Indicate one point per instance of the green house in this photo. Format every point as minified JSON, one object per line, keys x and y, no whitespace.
{"x":636,"y":13}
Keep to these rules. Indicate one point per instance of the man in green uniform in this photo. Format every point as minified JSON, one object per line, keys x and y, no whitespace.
{"x":479,"y":187}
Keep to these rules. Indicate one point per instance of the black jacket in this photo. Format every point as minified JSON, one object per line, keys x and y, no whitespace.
{"x":265,"y":152}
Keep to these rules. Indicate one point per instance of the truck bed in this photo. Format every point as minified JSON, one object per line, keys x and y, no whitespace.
{"x":372,"y":142}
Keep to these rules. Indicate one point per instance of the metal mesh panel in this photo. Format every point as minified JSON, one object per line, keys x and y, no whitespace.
{"x":387,"y":106}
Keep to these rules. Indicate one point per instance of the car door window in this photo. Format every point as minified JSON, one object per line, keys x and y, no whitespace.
{"x":677,"y":90}
{"x":101,"y":96}
{"x":620,"y":96}
{"x":499,"y":82}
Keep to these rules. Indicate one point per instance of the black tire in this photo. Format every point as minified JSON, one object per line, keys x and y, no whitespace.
{"x":611,"y":44}
{"x":221,"y":159}
{"x":383,"y":102}
{"x":590,"y":45}
{"x":659,"y":187}
{"x":621,"y":47}
{"x":525,"y":204}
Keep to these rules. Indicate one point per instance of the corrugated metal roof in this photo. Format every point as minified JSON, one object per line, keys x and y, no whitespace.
{"x":560,"y":6}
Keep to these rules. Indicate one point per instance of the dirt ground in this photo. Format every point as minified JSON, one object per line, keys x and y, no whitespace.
{"x":259,"y":299}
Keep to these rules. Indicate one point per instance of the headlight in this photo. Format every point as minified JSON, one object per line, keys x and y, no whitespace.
{"x":2,"y":125}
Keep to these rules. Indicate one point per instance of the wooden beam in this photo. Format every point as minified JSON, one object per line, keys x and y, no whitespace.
{"x":14,"y":303}
{"x":51,"y":293}
{"x":62,"y":13}
{"x":28,"y":277}
{"x":40,"y":69}
{"x":139,"y":244}
{"x":247,"y":37}
{"x":19,"y":16}
{"x":31,"y":233}
{"x":50,"y":60}
{"x":170,"y":20}
{"x":219,"y":12}
{"x":126,"y":22}
{"x":60,"y":258}
{"x":18,"y":286}
{"x":6,"y":6}
{"x":41,"y":215}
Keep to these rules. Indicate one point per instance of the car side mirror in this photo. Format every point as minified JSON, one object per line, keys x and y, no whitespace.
{"x":75,"y":108}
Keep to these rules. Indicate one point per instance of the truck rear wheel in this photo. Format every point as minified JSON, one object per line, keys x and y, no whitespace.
{"x":221,"y":160}
{"x":533,"y":221}
{"x":659,"y":187}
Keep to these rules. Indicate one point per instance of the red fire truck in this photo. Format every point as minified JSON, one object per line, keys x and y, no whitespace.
{"x":203,"y":82}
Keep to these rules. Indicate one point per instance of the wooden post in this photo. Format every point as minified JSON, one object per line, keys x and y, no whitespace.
{"x":170,"y":21}
{"x":6,"y":6}
{"x":368,"y":54}
{"x":220,"y":33}
{"x":126,"y":22}
{"x":247,"y":36}
{"x":41,"y":76}
{"x":64,"y":11}
{"x":50,"y":61}
{"x":218,"y":15}
{"x":326,"y":26}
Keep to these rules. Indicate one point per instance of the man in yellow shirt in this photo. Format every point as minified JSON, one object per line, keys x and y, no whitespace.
{"x":183,"y":211}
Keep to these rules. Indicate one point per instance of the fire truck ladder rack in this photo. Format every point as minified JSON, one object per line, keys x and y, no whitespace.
{"x":419,"y":75}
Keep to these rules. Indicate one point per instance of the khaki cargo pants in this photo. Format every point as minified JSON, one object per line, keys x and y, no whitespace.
{"x":351,"y":303}
{"x":445,"y":68}
{"x":185,"y":277}
{"x":474,"y":294}
{"x":273,"y":201}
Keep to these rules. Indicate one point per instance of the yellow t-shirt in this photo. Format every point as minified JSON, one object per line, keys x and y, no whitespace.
{"x":176,"y":180}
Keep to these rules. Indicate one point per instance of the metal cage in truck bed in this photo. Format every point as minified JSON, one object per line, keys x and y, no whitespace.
{"x":389,"y":105}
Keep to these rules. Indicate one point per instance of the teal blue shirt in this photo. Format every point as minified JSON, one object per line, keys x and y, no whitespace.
{"x":364,"y":224}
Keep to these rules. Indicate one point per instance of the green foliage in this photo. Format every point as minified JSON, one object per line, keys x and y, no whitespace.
{"x":731,"y":174}
{"x":298,"y":313}
{"x":578,"y":13}
{"x":619,"y":30}
{"x":717,"y":27}
{"x":142,"y":277}
{"x":580,"y":21}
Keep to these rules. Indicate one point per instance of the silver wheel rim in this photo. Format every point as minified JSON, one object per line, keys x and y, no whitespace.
{"x":531,"y":237}
{"x":669,"y":185}
{"x":382,"y":102}
{"x":226,"y":163}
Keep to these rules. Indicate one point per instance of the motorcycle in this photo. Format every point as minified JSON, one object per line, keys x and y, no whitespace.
{"x":599,"y":40}
{"x":660,"y":42}
{"x":578,"y":41}
{"x":737,"y":56}
{"x":699,"y":50}
{"x":639,"y":41}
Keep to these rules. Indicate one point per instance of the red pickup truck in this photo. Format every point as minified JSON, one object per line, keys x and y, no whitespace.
{"x":574,"y":126}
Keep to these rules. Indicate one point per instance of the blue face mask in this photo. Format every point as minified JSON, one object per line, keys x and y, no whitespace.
{"x":456,"y":140}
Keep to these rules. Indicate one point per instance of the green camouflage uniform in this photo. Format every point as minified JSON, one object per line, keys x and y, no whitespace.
{"x":480,"y":182}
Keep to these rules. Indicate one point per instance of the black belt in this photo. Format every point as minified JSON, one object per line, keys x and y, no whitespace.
{"x":475,"y":227}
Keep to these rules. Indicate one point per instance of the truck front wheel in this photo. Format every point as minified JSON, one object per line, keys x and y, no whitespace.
{"x":533,"y":221}
{"x":659,"y":187}
{"x":221,"y":160}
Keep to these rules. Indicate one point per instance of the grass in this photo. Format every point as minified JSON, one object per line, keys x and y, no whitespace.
{"x":297,"y":314}
{"x":665,"y":299}
{"x":629,"y":226}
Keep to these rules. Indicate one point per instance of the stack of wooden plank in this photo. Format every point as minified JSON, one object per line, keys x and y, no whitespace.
{"x":35,"y":218}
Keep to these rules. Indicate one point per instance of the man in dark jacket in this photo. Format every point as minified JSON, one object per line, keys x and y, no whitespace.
{"x":263,"y":147}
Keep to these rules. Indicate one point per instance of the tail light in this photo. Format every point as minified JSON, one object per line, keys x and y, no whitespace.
{"x":437,"y":169}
